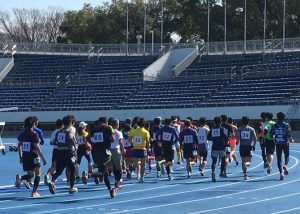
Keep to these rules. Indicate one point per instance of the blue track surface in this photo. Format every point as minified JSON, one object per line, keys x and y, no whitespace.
{"x":263,"y":193}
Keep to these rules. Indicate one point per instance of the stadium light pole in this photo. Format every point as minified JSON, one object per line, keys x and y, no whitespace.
{"x":161,"y":24}
{"x":245,"y":27}
{"x":127,"y":27}
{"x":208,"y":27}
{"x":152,"y":42}
{"x":225,"y":27}
{"x":283,"y":26}
{"x":265,"y":17}
{"x":145,"y":23}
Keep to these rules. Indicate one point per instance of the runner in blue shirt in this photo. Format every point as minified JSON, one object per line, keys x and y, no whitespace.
{"x":38,"y":130}
{"x":282,"y":135}
{"x":167,"y":137}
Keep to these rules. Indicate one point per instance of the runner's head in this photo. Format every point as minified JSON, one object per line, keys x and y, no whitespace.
{"x":224,"y":118}
{"x":103,"y":120}
{"x":202,"y":121}
{"x":280,"y":116}
{"x":135,"y":121}
{"x":68,"y":121}
{"x":245,"y":120}
{"x":128,"y":121}
{"x":269,"y":116}
{"x":29,"y":122}
{"x":174,"y":119}
{"x":217,"y":121}
{"x":157,"y":121}
{"x":187,"y":123}
{"x":115,"y":123}
{"x":59,"y":123}
{"x":127,"y":127}
{"x":141,"y":122}
{"x":168,"y":121}
{"x":230,"y":120}
{"x":263,"y":115}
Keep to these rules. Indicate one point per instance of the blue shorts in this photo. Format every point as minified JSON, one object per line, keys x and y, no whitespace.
{"x":139,"y":153}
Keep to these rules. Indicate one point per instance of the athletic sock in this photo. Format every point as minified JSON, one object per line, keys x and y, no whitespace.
{"x":36,"y":183}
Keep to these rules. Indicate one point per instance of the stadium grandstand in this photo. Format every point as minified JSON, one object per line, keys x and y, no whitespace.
{"x":45,"y":78}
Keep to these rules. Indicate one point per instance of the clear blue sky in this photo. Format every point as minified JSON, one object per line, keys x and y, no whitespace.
{"x":44,"y":4}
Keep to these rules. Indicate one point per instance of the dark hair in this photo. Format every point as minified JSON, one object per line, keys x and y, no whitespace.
{"x":128,"y":121}
{"x":229,"y":120}
{"x":67,"y":120}
{"x":102,"y":119}
{"x":280,"y":116}
{"x":202,"y":121}
{"x":263,"y":115}
{"x":217,"y":120}
{"x":109,"y":121}
{"x":245,"y":120}
{"x":29,"y":122}
{"x":224,"y":118}
{"x":135,"y":120}
{"x":269,"y":115}
{"x":127,"y":127}
{"x":189,"y":118}
{"x":147,"y":125}
{"x":58,"y":123}
{"x":168,"y":121}
{"x":187,"y":123}
{"x":141,"y":122}
{"x":157,"y":121}
{"x":174,"y":117}
{"x":73,"y":119}
{"x":80,"y":130}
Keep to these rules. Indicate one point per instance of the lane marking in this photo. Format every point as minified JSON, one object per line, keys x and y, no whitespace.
{"x":286,"y":211}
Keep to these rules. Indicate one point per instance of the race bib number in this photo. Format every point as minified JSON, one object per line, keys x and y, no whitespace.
{"x":188,"y":138}
{"x":80,"y":140}
{"x":37,"y":160}
{"x":61,"y":138}
{"x":126,"y":143}
{"x":167,"y":136}
{"x":26,"y":146}
{"x":245,"y":135}
{"x":154,"y":136}
{"x":137,"y":140}
{"x":98,"y":137}
{"x":216,"y":133}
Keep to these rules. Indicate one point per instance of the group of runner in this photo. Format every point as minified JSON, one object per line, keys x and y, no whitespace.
{"x":111,"y":150}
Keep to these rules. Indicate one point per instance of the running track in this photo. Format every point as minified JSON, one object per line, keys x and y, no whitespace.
{"x":263,"y":193}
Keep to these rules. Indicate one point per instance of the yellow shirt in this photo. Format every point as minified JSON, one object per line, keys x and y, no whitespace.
{"x":81,"y":138}
{"x":139,"y":136}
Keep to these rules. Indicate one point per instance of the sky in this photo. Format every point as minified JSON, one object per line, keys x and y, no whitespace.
{"x":44,"y":4}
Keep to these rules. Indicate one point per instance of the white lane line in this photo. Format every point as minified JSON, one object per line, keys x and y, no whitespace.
{"x":247,"y":203}
{"x":286,"y":211}
{"x":210,"y":198}
{"x":172,"y":194}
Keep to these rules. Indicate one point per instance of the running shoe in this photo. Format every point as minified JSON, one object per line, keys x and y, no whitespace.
{"x":269,"y":170}
{"x":77,"y":179}
{"x":179,"y":163}
{"x":141,"y":179}
{"x":73,"y":190}
{"x":246,"y":178}
{"x":46,"y":180}
{"x":202,"y":174}
{"x":128,"y":176}
{"x":266,"y":165}
{"x":27,"y":184}
{"x":213,"y":177}
{"x":285,"y":170}
{"x":158,"y":174}
{"x":236,"y":163}
{"x":170,"y":177}
{"x":96,"y":180}
{"x":112,"y":192}
{"x":281,"y":176}
{"x":18,"y":181}
{"x":35,"y":195}
{"x":118,"y":185}
{"x":189,"y":175}
{"x":247,"y":164}
{"x":84,"y":178}
{"x":51,"y":187}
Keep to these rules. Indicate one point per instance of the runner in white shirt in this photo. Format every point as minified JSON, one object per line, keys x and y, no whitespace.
{"x":202,"y":132}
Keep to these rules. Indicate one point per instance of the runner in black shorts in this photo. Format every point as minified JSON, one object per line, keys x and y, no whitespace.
{"x":261,"y":138}
{"x":269,"y":139}
{"x":229,"y":133}
{"x":246,"y":135}
{"x":101,"y":138}
{"x":30,"y":156}
{"x":202,"y":132}
{"x":157,"y":150}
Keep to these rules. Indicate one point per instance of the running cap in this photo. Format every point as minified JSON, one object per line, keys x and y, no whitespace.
{"x":82,"y":124}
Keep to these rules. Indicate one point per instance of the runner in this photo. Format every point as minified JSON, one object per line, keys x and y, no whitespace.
{"x":117,"y":149}
{"x":66,"y":158}
{"x":157,"y":150}
{"x":59,"y":125}
{"x":127,"y":156}
{"x":261,"y":133}
{"x":232,"y":141}
{"x":177,"y":126}
{"x":101,"y":138}
{"x":188,"y":139}
{"x":167,"y":137}
{"x":140,"y":139}
{"x":202,"y":132}
{"x":219,"y":141}
{"x":282,"y":135}
{"x":30,"y":157}
{"x":247,"y":139}
{"x":269,"y":140}
{"x":38,"y":130}
{"x":228,"y":132}
{"x":84,"y":149}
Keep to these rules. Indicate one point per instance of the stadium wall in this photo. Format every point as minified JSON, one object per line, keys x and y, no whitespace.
{"x":253,"y":112}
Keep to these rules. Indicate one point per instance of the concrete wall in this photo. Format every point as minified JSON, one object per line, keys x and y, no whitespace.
{"x":235,"y":112}
{"x":151,"y":72}
{"x":6,"y":64}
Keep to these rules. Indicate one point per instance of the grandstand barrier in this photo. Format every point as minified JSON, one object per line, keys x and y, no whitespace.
{"x":6,"y":64}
